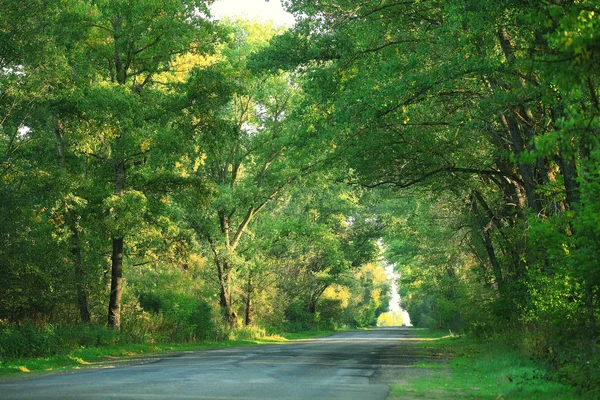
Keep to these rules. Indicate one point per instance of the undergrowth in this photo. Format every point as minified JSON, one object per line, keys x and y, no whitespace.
{"x":29,"y":349}
{"x":481,"y":370}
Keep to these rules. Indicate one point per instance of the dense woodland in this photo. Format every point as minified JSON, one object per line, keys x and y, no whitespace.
{"x":177,"y":178}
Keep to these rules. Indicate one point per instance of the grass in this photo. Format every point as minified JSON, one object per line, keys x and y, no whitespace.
{"x":305,"y":335}
{"x":107,"y":356}
{"x":477,"y":370}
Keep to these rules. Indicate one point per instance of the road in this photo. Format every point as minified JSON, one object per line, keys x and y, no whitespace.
{"x":349,"y":365}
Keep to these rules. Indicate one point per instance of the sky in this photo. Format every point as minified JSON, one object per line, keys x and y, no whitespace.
{"x":253,"y":9}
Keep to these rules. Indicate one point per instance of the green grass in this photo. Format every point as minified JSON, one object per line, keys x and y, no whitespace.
{"x":426,"y":365}
{"x":430,"y":333}
{"x":106,"y":356}
{"x":305,"y":335}
{"x":476,"y":370}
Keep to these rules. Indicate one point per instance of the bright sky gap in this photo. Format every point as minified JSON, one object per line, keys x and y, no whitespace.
{"x":254,"y":10}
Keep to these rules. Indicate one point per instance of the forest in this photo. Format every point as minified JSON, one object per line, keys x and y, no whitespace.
{"x":166,"y":177}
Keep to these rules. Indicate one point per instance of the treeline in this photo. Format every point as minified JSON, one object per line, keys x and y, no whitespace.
{"x":153,"y":183}
{"x":480,"y":120}
{"x":170,"y":175}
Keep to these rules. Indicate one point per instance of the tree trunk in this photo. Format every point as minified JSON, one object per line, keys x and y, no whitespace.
{"x":229,"y":314}
{"x":312,"y":305}
{"x":226,"y":306}
{"x":496,"y":268}
{"x":568,"y":169}
{"x":487,"y":239}
{"x":526,"y":170}
{"x":314,"y":298}
{"x":82,"y":301}
{"x":116,"y":283}
{"x":118,"y":242}
{"x":249,"y":290}
{"x":518,"y":143}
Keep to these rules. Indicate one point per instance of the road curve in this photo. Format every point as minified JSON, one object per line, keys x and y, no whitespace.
{"x":349,"y":365}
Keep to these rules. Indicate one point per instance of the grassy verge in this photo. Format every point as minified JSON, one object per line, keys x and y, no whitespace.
{"x":477,"y":370}
{"x":303,"y":335}
{"x":107,"y":356}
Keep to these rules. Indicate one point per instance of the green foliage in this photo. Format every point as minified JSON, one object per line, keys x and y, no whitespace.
{"x":184,"y":317}
{"x":298,"y":318}
{"x":236,"y":161}
{"x":485,"y":116}
{"x":30,"y":341}
{"x":482,"y":369}
{"x":391,"y":318}
{"x":144,"y":122}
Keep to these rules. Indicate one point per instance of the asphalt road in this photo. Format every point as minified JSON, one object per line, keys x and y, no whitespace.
{"x":349,"y":365}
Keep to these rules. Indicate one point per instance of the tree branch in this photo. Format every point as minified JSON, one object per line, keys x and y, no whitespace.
{"x":431,"y":174}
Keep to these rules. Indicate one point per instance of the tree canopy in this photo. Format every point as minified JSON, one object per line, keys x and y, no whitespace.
{"x":174,"y":177}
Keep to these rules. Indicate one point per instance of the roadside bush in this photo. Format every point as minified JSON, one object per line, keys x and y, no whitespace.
{"x":365,"y":315}
{"x":248,"y":333}
{"x":170,"y":316}
{"x":330,"y":313}
{"x":77,"y":336}
{"x":579,"y":367}
{"x":298,"y":318}
{"x":139,"y":326}
{"x":28,"y":340}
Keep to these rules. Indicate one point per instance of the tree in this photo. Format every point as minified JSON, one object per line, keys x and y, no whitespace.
{"x":320,"y":234}
{"x":34,"y":62}
{"x":469,"y":99}
{"x":131,"y":44}
{"x":247,"y":158}
{"x":104,"y":91}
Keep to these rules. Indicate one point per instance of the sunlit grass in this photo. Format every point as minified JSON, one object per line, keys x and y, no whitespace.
{"x":428,"y":365}
{"x":478,"y":370}
{"x":306,"y":335}
{"x":106,"y":355}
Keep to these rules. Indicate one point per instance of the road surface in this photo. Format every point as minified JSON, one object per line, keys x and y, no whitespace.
{"x":350,"y":365}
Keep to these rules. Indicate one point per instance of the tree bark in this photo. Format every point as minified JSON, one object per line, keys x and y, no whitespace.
{"x":487,"y":240}
{"x":116,"y":284}
{"x":527,"y":171}
{"x":314,"y":298}
{"x":312,"y":305}
{"x":82,"y":300}
{"x":568,"y":169}
{"x":224,"y":271}
{"x":518,"y":143}
{"x":118,"y":242}
{"x":248,"y":319}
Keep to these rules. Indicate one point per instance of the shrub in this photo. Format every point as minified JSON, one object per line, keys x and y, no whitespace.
{"x":171,"y":316}
{"x":298,"y":317}
{"x":248,"y":333}
{"x":27,"y":340}
{"x":330,"y":313}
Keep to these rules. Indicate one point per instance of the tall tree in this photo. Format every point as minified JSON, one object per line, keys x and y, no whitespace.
{"x":492,"y":102}
{"x":247,"y":157}
{"x":130,"y":46}
{"x":36,"y":82}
